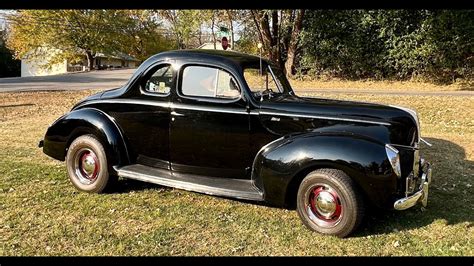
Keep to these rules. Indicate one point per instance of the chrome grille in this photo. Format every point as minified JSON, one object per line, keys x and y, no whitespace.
{"x":416,"y":162}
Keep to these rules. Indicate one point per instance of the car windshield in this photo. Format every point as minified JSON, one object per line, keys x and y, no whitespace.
{"x":269,"y":80}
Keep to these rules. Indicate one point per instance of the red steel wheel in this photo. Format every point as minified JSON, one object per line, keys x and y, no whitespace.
{"x":324,"y":206}
{"x":330,"y":202}
{"x":87,"y":165}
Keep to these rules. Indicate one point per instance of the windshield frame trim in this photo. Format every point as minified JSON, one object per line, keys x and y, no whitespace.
{"x":277,"y":81}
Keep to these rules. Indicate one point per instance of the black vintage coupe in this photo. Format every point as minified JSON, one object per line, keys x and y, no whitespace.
{"x":229,"y":124}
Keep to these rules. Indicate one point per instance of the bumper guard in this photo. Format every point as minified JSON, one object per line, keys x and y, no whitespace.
{"x":421,"y":195}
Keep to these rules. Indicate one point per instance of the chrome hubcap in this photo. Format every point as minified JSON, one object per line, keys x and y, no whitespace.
{"x":86,"y":166}
{"x":324,"y":206}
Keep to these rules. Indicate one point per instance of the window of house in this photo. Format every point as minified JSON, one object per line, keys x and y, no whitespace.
{"x":161,"y":80}
{"x":209,"y":82}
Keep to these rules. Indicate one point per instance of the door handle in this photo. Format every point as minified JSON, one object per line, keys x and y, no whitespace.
{"x":176,"y":114}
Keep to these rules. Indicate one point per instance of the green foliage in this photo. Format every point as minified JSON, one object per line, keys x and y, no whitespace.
{"x":381,"y":44}
{"x":140,"y":34}
{"x":435,"y":45}
{"x":185,"y":24}
{"x":248,"y":40}
{"x":36,"y":33}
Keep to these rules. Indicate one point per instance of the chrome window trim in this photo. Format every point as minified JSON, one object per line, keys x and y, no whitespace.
{"x":209,"y":109}
{"x":277,"y":82}
{"x":129,"y":101}
{"x":217,"y":82}
{"x":226,"y":110}
{"x":179,"y":85}
{"x":150,"y":93}
{"x":173,"y":105}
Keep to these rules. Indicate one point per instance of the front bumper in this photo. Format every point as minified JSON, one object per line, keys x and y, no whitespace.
{"x":421,"y":195}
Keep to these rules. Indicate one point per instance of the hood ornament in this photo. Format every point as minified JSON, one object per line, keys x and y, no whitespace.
{"x":426,"y":142}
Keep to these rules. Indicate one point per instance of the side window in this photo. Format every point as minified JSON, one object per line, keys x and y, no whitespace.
{"x":209,"y":82}
{"x":160,"y":81}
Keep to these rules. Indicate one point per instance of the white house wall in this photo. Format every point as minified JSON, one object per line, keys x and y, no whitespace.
{"x":31,"y":67}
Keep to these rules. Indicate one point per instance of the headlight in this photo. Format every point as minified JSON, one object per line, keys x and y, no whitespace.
{"x":394,"y":159}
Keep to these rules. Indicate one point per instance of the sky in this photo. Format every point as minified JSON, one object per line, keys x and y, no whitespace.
{"x":2,"y":13}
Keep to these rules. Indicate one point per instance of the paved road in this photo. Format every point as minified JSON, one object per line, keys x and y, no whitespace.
{"x":108,"y":79}
{"x":408,"y":93}
{"x":103,"y":79}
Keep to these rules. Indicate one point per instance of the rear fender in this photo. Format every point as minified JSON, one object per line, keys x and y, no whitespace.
{"x":79,"y":122}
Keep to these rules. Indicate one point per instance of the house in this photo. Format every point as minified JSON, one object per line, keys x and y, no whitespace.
{"x":220,"y":43}
{"x":119,"y":60}
{"x":36,"y":65}
{"x":210,"y":45}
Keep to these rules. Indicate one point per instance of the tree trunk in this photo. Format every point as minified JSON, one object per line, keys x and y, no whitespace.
{"x":90,"y":60}
{"x":255,"y":20}
{"x":212,"y":30}
{"x":293,"y":45}
{"x":270,"y":42}
{"x":200,"y":36}
{"x":268,"y":38}
{"x":229,"y":14}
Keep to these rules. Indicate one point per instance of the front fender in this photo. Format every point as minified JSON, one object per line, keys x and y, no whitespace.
{"x":78,"y":122}
{"x":287,"y":160}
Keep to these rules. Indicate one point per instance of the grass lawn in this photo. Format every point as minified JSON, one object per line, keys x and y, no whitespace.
{"x":41,"y":213}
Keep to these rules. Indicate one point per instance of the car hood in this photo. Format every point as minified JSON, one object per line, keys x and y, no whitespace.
{"x":400,"y":123}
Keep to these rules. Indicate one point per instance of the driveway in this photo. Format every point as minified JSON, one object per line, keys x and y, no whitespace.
{"x":101,"y":79}
{"x":393,"y":92}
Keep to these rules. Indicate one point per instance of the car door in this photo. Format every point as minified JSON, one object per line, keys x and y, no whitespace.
{"x":209,"y":130}
{"x":144,"y":116}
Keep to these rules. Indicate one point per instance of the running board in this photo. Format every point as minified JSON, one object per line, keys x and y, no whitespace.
{"x":234,"y":188}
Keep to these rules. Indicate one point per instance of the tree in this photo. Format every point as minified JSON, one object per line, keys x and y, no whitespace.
{"x":9,"y":67}
{"x":185,"y":24}
{"x":67,"y":31}
{"x":141,"y":34}
{"x":70,"y":33}
{"x":293,"y":43}
{"x":278,"y":31}
{"x":397,"y":44}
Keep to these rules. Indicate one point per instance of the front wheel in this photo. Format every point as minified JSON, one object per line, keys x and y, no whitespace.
{"x":329,"y":202}
{"x":87,"y":165}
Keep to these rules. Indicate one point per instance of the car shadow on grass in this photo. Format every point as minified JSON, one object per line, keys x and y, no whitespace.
{"x":125,"y":185}
{"x":451,"y":194}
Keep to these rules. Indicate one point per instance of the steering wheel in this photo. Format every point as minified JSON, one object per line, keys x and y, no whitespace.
{"x":268,"y":92}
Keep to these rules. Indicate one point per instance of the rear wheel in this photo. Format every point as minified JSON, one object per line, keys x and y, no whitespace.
{"x":329,"y":202}
{"x":87,"y":165}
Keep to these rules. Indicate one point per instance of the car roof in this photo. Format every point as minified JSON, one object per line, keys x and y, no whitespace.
{"x":238,"y":58}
